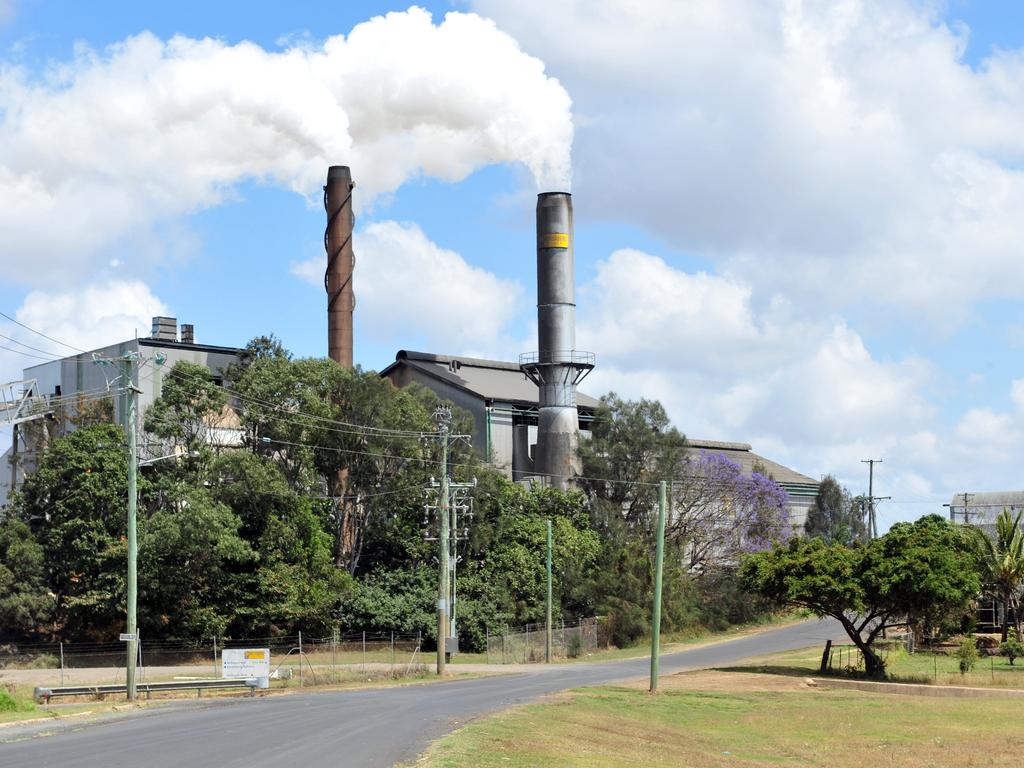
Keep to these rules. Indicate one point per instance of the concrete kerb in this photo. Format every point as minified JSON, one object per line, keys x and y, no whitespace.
{"x":916,"y":689}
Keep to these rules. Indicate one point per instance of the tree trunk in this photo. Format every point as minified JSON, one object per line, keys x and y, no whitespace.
{"x":1006,"y":618}
{"x":873,"y":665}
{"x":824,"y":656}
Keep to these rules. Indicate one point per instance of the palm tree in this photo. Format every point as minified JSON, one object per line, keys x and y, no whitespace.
{"x":1002,"y":558}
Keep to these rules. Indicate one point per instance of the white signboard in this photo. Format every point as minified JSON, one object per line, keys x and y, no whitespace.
{"x":245,"y":662}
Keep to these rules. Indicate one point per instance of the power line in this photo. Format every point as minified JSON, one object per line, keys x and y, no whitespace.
{"x":29,"y":346}
{"x":40,"y":333}
{"x":314,"y":417}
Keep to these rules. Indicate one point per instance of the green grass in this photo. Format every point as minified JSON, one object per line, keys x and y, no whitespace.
{"x":15,"y":705}
{"x":901,"y":667}
{"x":613,"y":726}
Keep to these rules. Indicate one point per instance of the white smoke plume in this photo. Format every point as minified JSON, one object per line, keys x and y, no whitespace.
{"x":113,"y":143}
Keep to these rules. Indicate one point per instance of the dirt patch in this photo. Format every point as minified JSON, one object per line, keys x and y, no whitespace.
{"x":732,"y":682}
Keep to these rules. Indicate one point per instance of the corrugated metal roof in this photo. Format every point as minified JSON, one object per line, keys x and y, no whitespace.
{"x":489,"y":379}
{"x":989,"y":499}
{"x":741,"y":453}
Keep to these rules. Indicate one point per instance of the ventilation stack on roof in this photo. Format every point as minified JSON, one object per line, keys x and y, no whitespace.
{"x":165,"y":328}
{"x":188,"y":334}
{"x":340,"y":263}
{"x":557,"y":367}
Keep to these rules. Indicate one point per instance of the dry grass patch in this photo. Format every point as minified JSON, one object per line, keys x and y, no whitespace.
{"x":728,"y":719}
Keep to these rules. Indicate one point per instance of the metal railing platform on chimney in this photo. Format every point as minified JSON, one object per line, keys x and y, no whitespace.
{"x":573,"y":357}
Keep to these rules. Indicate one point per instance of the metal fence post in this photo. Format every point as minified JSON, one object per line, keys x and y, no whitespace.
{"x":62,"y":664}
{"x":392,"y":652}
{"x":364,"y":650}
{"x":300,"y":658}
{"x":214,"y":655}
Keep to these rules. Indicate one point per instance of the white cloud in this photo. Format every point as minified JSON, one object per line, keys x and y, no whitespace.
{"x":113,"y":143}
{"x":837,"y":152}
{"x":726,"y":369}
{"x":1017,"y":393}
{"x":807,"y":394}
{"x":440,"y":300}
{"x":87,"y":317}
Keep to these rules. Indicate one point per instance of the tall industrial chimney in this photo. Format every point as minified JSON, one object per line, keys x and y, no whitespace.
{"x":341,"y":261}
{"x":557,"y":367}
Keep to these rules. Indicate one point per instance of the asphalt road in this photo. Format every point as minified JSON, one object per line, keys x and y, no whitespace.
{"x":349,"y":728}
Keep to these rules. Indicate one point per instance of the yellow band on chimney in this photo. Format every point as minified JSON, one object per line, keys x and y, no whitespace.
{"x":555,"y":240}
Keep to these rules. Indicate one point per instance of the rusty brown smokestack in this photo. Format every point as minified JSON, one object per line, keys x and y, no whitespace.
{"x":341,"y":300}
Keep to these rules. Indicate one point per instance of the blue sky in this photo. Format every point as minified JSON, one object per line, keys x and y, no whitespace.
{"x":796,"y":229}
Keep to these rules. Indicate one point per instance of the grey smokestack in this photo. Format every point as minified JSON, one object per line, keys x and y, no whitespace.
{"x":557,"y":367}
{"x":341,"y":300}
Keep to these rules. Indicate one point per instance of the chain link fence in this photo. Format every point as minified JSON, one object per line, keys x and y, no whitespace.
{"x":316,"y":659}
{"x":527,"y":644}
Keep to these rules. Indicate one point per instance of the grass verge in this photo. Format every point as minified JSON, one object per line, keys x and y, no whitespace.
{"x":901,"y":667}
{"x":719,"y":726}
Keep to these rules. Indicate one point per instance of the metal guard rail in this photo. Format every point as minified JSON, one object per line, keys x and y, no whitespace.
{"x":43,"y":695}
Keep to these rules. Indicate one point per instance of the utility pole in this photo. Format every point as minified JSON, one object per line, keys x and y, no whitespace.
{"x":452,"y":499}
{"x":872,"y":521}
{"x":659,"y":559}
{"x":967,"y":515}
{"x":14,"y":460}
{"x":547,"y":625}
{"x":131,"y":424}
{"x":443,"y":416}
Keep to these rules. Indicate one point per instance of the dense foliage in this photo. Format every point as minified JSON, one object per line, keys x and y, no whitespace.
{"x":296,"y":501}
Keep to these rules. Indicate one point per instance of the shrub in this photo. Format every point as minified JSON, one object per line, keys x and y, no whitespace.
{"x":968,"y":654}
{"x":10,"y":704}
{"x":574,"y":646}
{"x":1012,"y":648}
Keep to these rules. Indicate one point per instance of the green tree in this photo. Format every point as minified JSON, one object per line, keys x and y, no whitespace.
{"x":190,"y":404}
{"x":1002,"y":560}
{"x":298,"y":586}
{"x":76,"y":506}
{"x":26,"y":607}
{"x":352,"y":429}
{"x":189,"y":550}
{"x":833,"y":516}
{"x":923,"y":570}
{"x":632,"y":446}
